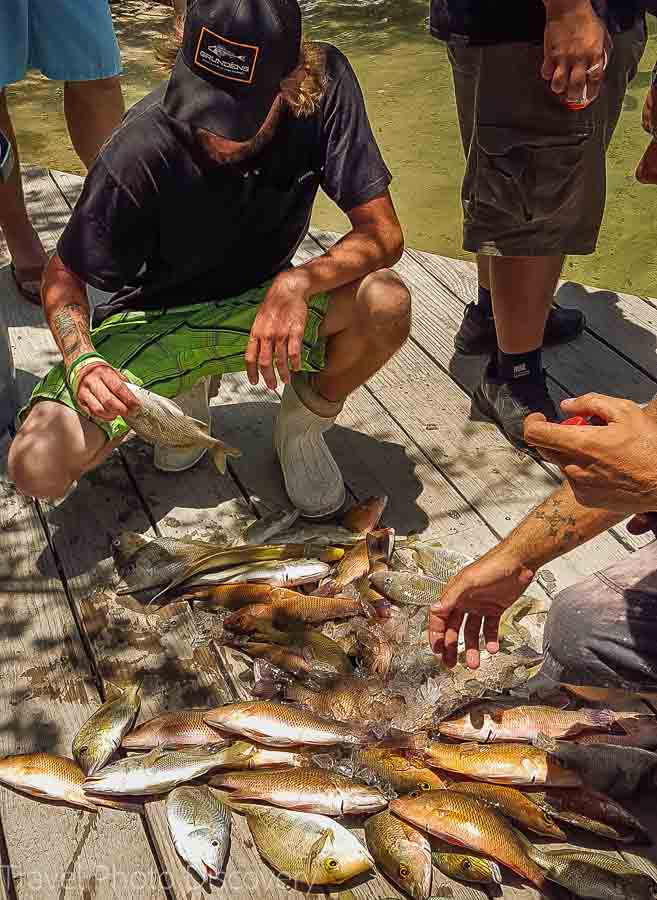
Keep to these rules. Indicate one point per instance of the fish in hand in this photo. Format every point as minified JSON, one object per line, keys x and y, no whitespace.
{"x":158,"y":420}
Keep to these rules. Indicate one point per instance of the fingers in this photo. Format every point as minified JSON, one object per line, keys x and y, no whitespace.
{"x":471,"y":634}
{"x":266,"y":362}
{"x":609,"y":409}
{"x":282,"y":360}
{"x":251,"y":359}
{"x":103,"y":394}
{"x":451,"y":643}
{"x":437,"y":627}
{"x":294,"y":348}
{"x":577,"y":89}
{"x":491,"y":633}
{"x":560,"y":78}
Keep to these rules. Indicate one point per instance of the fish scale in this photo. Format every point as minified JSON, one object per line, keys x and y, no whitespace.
{"x":349,"y":699}
{"x":401,"y":852}
{"x":153,"y":773}
{"x":519,"y":764}
{"x":514,"y":805}
{"x":488,"y":722}
{"x":101,"y":735}
{"x":305,"y":847}
{"x":173,"y":730}
{"x":398,"y":772}
{"x":278,"y":725}
{"x":308,"y":789}
{"x":468,"y":822}
{"x":200,"y":825}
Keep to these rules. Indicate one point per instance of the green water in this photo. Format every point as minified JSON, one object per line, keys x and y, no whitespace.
{"x":406,"y":79}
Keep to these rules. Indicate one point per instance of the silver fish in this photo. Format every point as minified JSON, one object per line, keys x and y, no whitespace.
{"x":279,"y":574}
{"x":160,"y":421}
{"x":263,"y":530}
{"x":156,"y":772}
{"x":101,"y":735}
{"x":199,"y":825}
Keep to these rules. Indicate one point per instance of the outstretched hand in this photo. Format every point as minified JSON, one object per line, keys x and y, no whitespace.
{"x":476,"y":598}
{"x":611,"y":466}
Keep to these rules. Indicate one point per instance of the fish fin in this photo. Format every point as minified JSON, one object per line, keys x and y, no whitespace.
{"x":596,"y":720}
{"x":326,"y":589}
{"x":133,"y":806}
{"x":113,"y":691}
{"x":220,"y":452}
{"x":471,"y":747}
{"x":226,"y":798}
{"x":402,"y":740}
{"x":316,"y":849}
{"x":543,"y":742}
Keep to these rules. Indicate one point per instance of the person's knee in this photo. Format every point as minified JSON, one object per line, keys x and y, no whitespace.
{"x":40,"y":464}
{"x":387,"y":306}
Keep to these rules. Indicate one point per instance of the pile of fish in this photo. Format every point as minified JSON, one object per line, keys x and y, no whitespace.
{"x":354,"y":724}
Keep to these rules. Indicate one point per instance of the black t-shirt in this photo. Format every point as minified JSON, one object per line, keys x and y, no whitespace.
{"x":162,"y":225}
{"x":480,"y":22}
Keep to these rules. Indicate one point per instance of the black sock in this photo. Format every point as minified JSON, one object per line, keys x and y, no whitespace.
{"x":512,"y":366}
{"x":485,"y":301}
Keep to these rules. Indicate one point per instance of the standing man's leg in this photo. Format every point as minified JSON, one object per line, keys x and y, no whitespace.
{"x":27,"y":253}
{"x":93,"y":110}
{"x":25,"y":248}
{"x":75,"y":43}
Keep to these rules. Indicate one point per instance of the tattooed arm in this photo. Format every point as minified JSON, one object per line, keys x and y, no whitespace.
{"x":479,"y":594}
{"x":67,"y":311}
{"x":99,"y":389}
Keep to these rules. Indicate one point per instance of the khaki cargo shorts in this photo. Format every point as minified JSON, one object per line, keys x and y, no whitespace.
{"x":535,"y":180}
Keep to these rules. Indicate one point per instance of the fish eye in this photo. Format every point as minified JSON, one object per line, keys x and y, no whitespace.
{"x":424,"y":786}
{"x":214,"y":843}
{"x":414,"y":794}
{"x":403,"y":871}
{"x":467,"y":865}
{"x":331,"y":864}
{"x":83,"y":750}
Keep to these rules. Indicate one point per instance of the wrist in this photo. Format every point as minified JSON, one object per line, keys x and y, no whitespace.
{"x":78,"y":367}
{"x":296,"y":281}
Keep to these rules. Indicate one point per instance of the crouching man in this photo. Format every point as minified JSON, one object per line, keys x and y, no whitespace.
{"x":191,"y":216}
{"x":602,"y":632}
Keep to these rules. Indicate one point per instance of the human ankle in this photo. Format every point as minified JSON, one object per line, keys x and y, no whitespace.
{"x":516,"y":366}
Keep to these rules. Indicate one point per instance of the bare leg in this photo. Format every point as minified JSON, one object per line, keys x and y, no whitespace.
{"x":366,"y":324}
{"x":523,"y":291}
{"x":483,"y":271}
{"x":93,"y":110}
{"x":53,"y":449}
{"x":23,"y":242}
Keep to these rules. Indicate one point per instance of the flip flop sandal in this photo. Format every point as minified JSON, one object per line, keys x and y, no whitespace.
{"x":31,"y":277}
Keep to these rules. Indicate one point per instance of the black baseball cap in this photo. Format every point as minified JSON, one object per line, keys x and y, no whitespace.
{"x":234,"y":55}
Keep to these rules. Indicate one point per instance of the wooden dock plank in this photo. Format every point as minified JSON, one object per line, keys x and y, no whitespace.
{"x":48,"y":692}
{"x":500,"y":483}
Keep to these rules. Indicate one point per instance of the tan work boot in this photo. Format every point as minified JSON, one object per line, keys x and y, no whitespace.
{"x":313,"y":480}
{"x":195,"y":403}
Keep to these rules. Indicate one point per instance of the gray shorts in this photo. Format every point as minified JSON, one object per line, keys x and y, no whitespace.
{"x":535,"y":180}
{"x":602,"y":632}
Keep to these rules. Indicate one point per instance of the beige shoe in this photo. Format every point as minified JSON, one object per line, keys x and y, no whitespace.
{"x":313,"y":480}
{"x":195,"y":403}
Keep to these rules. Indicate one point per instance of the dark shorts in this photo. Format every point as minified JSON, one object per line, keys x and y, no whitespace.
{"x":535,"y":180}
{"x":602,"y":632}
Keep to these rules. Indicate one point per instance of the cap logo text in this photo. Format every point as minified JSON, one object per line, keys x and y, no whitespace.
{"x":227,"y":59}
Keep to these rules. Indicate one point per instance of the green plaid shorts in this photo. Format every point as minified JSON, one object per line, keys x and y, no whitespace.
{"x":168,"y":351}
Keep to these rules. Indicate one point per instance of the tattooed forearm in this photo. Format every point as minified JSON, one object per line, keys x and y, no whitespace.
{"x":70,"y":328}
{"x":555,"y":527}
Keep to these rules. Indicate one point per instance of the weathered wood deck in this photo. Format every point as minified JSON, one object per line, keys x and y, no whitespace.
{"x":409,"y":434}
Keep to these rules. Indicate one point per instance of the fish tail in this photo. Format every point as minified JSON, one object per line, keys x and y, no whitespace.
{"x":543,"y":742}
{"x":220,"y":453}
{"x":125,"y":805}
{"x":600,"y":719}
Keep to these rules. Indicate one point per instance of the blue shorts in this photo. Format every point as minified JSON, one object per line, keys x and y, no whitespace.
{"x":67,"y":40}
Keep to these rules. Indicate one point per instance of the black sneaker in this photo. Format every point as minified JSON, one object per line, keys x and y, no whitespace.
{"x":477,"y":332}
{"x":508,"y":403}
